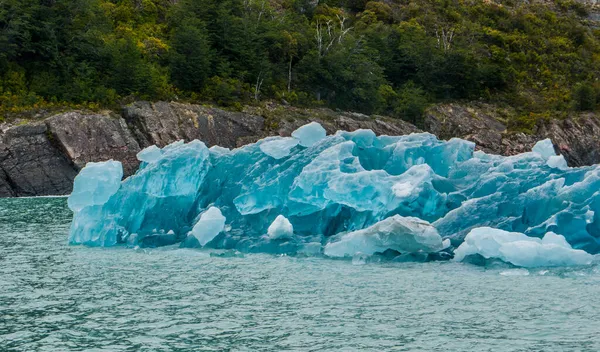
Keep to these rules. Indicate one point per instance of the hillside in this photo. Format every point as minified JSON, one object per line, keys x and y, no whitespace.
{"x":541,"y":59}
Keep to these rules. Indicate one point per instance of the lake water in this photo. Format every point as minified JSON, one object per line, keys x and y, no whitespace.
{"x":56,"y":297}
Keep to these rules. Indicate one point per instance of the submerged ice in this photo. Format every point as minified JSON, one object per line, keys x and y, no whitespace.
{"x":340,"y":195}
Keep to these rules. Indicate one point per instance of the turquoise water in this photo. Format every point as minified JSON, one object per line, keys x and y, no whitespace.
{"x":55,"y":297}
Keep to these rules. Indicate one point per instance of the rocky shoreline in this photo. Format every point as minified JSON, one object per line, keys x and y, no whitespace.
{"x":39,"y":158}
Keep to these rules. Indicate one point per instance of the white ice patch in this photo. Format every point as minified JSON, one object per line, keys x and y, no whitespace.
{"x":95,"y":184}
{"x":150,"y":155}
{"x":281,"y":228}
{"x":211,"y":223}
{"x":557,"y":162}
{"x":279,"y":148}
{"x":403,"y":234}
{"x":519,"y":249}
{"x":544,"y":148}
{"x":309,"y":134}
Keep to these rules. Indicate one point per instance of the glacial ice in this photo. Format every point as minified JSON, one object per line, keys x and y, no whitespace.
{"x":281,"y":228}
{"x":544,"y":148}
{"x":557,"y":162}
{"x":150,"y":155}
{"x":337,"y":192}
{"x":95,"y":184}
{"x":402,"y":234}
{"x":309,"y":134}
{"x":211,"y":223}
{"x":278,"y":148}
{"x":521,"y":250}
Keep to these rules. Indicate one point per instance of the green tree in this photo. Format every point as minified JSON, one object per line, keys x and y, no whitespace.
{"x":190,"y":56}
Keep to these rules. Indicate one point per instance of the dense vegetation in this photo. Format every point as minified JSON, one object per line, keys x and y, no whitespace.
{"x":389,"y":57}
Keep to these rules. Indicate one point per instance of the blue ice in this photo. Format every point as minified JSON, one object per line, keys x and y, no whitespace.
{"x":353,"y":192}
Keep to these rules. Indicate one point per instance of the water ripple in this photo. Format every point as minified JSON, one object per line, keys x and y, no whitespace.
{"x":54,"y":297}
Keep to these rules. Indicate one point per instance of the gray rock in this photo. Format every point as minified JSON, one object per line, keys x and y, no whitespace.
{"x":98,"y":137}
{"x":163,"y":123}
{"x":32,"y":164}
{"x":379,"y":124}
{"x":449,"y":121}
{"x":6,"y":190}
{"x":577,"y":138}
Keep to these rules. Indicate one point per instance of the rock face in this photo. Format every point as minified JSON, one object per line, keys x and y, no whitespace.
{"x":577,"y":138}
{"x":43,"y":158}
{"x":85,"y":138}
{"x":163,"y":123}
{"x":351,"y":122}
{"x":32,"y":164}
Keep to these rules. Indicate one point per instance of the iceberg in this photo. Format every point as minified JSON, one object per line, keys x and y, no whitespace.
{"x":281,"y":228}
{"x":521,"y":250}
{"x":342,"y":194}
{"x":402,"y":234}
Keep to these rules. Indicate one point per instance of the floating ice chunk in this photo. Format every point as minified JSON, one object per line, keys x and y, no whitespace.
{"x":211,"y":223}
{"x":150,"y":155}
{"x":279,"y":148}
{"x":544,"y":148}
{"x":403,"y":234}
{"x":95,"y":184}
{"x":518,"y":249}
{"x":309,"y":134}
{"x":557,"y":162}
{"x":281,"y":228}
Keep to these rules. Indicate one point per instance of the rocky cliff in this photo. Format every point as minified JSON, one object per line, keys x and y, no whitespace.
{"x":43,"y":157}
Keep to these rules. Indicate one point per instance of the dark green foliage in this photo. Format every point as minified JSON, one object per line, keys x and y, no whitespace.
{"x":584,"y":97}
{"x":190,"y":56}
{"x":384,"y":57}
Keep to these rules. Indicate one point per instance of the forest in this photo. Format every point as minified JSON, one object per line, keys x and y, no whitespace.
{"x":391,"y":57}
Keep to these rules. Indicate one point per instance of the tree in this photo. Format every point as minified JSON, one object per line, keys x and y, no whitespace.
{"x":191,"y":56}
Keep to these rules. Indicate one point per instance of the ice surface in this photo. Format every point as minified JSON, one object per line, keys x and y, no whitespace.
{"x":95,"y":184}
{"x":521,"y":250}
{"x":281,"y":228}
{"x":402,"y":234}
{"x":159,"y":196}
{"x":341,"y":184}
{"x":278,"y":148}
{"x":211,"y":223}
{"x":309,"y":134}
{"x":557,"y":162}
{"x":150,"y":155}
{"x":544,"y":148}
